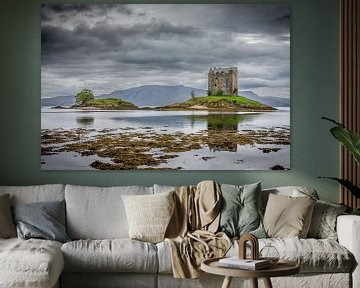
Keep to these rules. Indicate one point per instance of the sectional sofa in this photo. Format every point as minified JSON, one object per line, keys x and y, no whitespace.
{"x":100,"y":253}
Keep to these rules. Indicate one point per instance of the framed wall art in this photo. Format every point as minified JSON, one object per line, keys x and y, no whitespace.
{"x":165,"y":86}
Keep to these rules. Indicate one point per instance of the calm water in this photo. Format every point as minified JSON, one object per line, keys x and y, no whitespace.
{"x":245,"y":157}
{"x":185,"y":121}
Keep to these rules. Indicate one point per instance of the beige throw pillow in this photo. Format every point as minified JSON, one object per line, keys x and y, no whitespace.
{"x":288,"y":217}
{"x":7,"y":226}
{"x":149,"y":215}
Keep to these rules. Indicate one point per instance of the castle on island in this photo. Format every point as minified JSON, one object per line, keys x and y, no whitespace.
{"x":223,"y":81}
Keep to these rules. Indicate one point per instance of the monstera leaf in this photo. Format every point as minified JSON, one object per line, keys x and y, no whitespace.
{"x":348,"y":138}
{"x":352,"y":142}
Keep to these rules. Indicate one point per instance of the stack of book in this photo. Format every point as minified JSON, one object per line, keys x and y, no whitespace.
{"x":248,"y":264}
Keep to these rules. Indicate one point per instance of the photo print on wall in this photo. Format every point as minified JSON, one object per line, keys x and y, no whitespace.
{"x":165,"y":86}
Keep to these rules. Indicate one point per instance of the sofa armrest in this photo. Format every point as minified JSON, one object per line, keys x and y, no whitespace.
{"x":348,"y":230}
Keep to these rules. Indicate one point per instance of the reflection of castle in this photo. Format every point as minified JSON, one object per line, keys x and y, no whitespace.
{"x":220,"y":128}
{"x":226,"y":146}
{"x":222,"y":123}
{"x":223,"y":81}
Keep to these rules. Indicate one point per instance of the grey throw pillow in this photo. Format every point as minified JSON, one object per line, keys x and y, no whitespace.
{"x":44,"y":220}
{"x":323,"y":222}
{"x":7,"y":226}
{"x":240,"y":213}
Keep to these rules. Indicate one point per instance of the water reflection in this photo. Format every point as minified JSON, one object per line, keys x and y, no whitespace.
{"x":225,"y":124}
{"x":85,"y":120}
{"x":222,"y":122}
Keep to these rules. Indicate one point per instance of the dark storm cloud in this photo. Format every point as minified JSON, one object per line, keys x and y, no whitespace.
{"x":107,"y":46}
{"x":73,"y":9}
{"x":105,"y":37}
{"x":272,"y":20}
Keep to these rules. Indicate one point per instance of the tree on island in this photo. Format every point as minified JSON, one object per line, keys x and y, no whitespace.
{"x":85,"y":95}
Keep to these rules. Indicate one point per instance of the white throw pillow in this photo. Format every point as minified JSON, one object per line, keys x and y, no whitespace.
{"x":149,"y":215}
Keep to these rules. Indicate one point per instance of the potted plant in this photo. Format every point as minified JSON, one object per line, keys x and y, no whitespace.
{"x":351,"y":141}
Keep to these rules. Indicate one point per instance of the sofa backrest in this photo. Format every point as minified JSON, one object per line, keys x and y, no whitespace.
{"x":163,"y":188}
{"x":35,"y":193}
{"x":98,"y":212}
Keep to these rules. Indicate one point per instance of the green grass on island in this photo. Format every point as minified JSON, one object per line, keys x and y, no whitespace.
{"x":109,"y":104}
{"x":216,"y":103}
{"x":223,"y":102}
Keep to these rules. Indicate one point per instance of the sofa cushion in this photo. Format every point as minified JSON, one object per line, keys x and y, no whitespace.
{"x":98,"y":213}
{"x":313,"y":255}
{"x":149,"y":215}
{"x":287,"y":216}
{"x":7,"y":226}
{"x":35,"y":193}
{"x":30,"y":263}
{"x":164,"y":257}
{"x":43,"y":220}
{"x":323,"y":222}
{"x":117,"y":255}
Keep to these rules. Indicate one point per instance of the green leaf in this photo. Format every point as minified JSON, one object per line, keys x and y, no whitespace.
{"x":349,"y":139}
{"x":332,"y":120}
{"x":355,"y":211}
{"x":348,"y":185}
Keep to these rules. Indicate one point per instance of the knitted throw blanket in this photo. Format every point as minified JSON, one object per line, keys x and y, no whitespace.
{"x":191,"y":232}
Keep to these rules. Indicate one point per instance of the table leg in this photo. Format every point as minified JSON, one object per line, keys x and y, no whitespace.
{"x":254,"y":282}
{"x":227,"y":282}
{"x":267,"y":283}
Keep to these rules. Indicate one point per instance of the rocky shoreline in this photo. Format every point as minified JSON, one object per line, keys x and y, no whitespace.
{"x":147,"y":149}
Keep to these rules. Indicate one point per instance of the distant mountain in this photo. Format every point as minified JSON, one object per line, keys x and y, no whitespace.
{"x":268,"y":100}
{"x":160,"y":95}
{"x":155,"y":95}
{"x":58,"y":101}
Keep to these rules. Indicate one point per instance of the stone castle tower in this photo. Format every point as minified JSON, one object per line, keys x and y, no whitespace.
{"x":223,"y":81}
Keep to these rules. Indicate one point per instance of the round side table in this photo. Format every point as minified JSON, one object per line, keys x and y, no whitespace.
{"x":281,"y":268}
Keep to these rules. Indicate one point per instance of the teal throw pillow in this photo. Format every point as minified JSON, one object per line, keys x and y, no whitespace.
{"x":240,"y":213}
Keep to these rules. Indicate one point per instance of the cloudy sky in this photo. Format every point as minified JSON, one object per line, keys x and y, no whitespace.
{"x":111,"y":47}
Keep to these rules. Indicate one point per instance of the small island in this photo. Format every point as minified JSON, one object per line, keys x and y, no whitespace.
{"x":107,"y":104}
{"x":85,"y":99}
{"x":220,"y":103}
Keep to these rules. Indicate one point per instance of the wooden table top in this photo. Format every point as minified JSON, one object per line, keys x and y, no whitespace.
{"x":281,"y":268}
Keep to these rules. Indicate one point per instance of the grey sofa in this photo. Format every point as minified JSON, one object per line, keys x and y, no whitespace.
{"x":101,"y":254}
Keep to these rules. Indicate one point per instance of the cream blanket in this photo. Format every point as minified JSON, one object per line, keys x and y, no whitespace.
{"x":191,"y":231}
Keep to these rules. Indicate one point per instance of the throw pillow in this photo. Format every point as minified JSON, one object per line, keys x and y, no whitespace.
{"x":288,"y":217}
{"x":323,"y":222}
{"x":43,"y":220}
{"x":7,"y":227}
{"x":149,"y":215}
{"x":240,"y":213}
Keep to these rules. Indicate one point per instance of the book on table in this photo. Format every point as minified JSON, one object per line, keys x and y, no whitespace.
{"x":249,"y":264}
